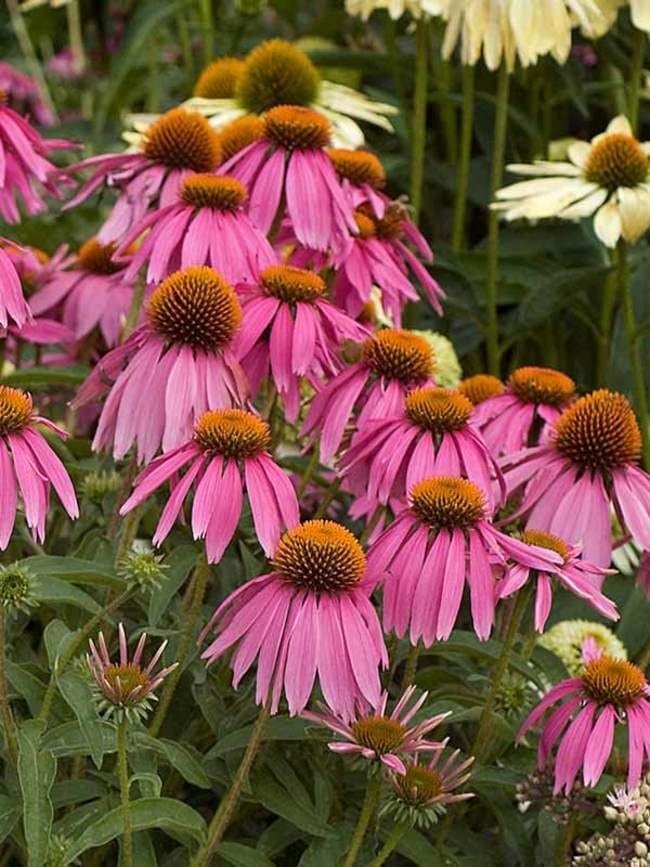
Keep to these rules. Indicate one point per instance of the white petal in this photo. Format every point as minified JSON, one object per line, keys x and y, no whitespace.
{"x":607,"y":224}
{"x":640,"y":10}
{"x":544,"y":167}
{"x":634,"y":208}
{"x":585,"y":207}
{"x":579,"y":153}
{"x":541,"y":187}
{"x":620,"y":124}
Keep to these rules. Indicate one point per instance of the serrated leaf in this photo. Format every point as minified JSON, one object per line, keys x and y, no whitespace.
{"x":79,"y":696}
{"x":177,"y":819}
{"x":36,"y":772}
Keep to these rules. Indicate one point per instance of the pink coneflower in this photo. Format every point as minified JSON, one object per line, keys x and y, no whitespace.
{"x":608,"y":691}
{"x":393,"y":362}
{"x":292,"y":331}
{"x":375,"y":259}
{"x":378,"y":256}
{"x":362,"y":177}
{"x":441,"y":540}
{"x":24,"y":169}
{"x":28,"y":465}
{"x":289,"y":168}
{"x":229,"y":450}
{"x":481,"y":387}
{"x":173,"y":368}
{"x":587,"y":465}
{"x":533,"y":400}
{"x":423,"y":793}
{"x":205,"y":225}
{"x":579,"y":576}
{"x":125,"y":689}
{"x":378,"y":737}
{"x":430,"y":435}
{"x":96,"y":293}
{"x":13,"y":307}
{"x":178,"y":144}
{"x":310,"y":616}
{"x":23,"y":95}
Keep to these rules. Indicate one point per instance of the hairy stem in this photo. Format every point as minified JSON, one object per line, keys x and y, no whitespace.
{"x":392,"y":842}
{"x":464,"y":161}
{"x":6,"y":714}
{"x":480,"y":749}
{"x":492,"y":281}
{"x":123,"y":773}
{"x":373,"y":789}
{"x":190,"y":617}
{"x":634,"y":348}
{"x":226,"y":810}
{"x":419,"y":113}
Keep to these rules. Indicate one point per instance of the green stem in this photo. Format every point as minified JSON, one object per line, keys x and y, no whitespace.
{"x":122,"y":494}
{"x":126,"y":859}
{"x":373,"y":789}
{"x":636,"y":72}
{"x":564,"y":848}
{"x":392,"y":842}
{"x":225,"y":812}
{"x":443,"y":74}
{"x":29,"y":52}
{"x":309,"y":470}
{"x":75,"y":35}
{"x":328,"y":496}
{"x":411,"y":666}
{"x":465,"y":158}
{"x":186,"y":48}
{"x":6,"y":714}
{"x":480,"y":748}
{"x":134,"y":310}
{"x":390,"y":39}
{"x":419,"y":113}
{"x":129,"y":532}
{"x":492,"y":281}
{"x":640,"y":392}
{"x":62,"y":662}
{"x":370,"y":526}
{"x":606,"y":319}
{"x":190,"y":618}
{"x":208,"y":30}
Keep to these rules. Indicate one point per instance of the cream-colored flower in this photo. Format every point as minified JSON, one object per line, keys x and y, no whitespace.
{"x":607,"y":178}
{"x":566,"y":638}
{"x":507,"y":30}
{"x":448,"y":369}
{"x":640,"y":12}
{"x":279,"y":73}
{"x":548,"y":25}
{"x":395,"y":8}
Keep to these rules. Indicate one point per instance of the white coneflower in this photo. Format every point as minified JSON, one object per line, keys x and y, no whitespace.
{"x":607,"y":178}
{"x":277,"y":73}
{"x":395,"y":8}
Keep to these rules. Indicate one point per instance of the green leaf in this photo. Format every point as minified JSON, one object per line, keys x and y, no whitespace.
{"x":177,"y":819}
{"x":467,"y":643}
{"x":150,"y":784}
{"x":39,"y":378}
{"x":68,"y":739}
{"x":53,"y":591}
{"x":178,"y":756}
{"x":178,"y":564}
{"x":26,"y":685}
{"x":36,"y":772}
{"x":243,"y":856}
{"x":79,"y":696}
{"x":278,"y":728}
{"x":55,"y":635}
{"x":74,"y":569}
{"x":9,"y":815}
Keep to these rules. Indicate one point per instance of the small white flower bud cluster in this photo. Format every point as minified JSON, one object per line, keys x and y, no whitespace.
{"x":628,"y":843}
